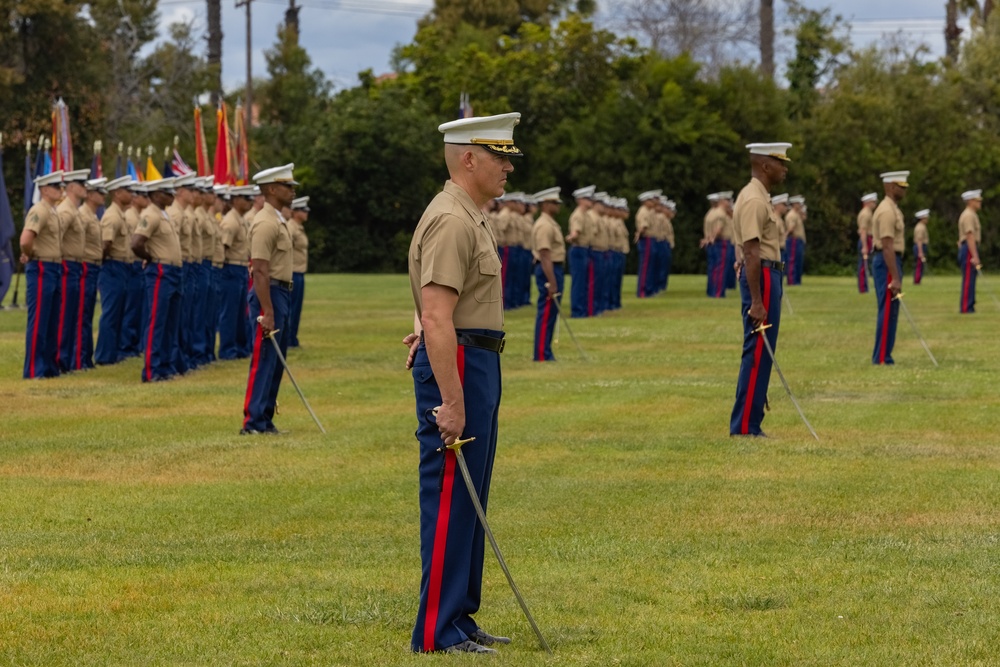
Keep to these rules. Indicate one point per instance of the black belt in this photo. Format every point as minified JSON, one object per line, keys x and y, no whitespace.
{"x":480,"y":341}
{"x":768,"y":264}
{"x":286,"y":284}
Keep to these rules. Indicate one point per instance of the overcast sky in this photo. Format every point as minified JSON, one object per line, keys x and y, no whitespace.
{"x":344,"y":37}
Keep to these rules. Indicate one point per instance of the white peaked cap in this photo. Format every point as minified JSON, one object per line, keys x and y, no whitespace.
{"x":779,"y":199}
{"x":897,"y":177}
{"x":494,"y":133}
{"x":871,"y":196}
{"x":256,"y":191}
{"x":775,"y":150}
{"x":601,"y":197}
{"x":300,"y":203}
{"x":549,"y":194}
{"x":276,"y":175}
{"x":650,"y":194}
{"x":226,"y":191}
{"x":53,"y":178}
{"x":671,"y":204}
{"x":969,"y":195}
{"x":585,"y":193}
{"x":119,"y":183}
{"x":140,"y":188}
{"x":241,"y":191}
{"x":161,"y":185}
{"x":796,"y":199}
{"x":714,"y":197}
{"x":186,"y":181}
{"x":207,"y":183}
{"x":78,"y":176}
{"x":923,"y":214}
{"x":97,"y":184}
{"x":726,"y":194}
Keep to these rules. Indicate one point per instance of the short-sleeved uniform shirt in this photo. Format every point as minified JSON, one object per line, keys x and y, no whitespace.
{"x":234,"y":238}
{"x":504,"y":224}
{"x":207,"y":227}
{"x":644,"y":220}
{"x":668,"y":230}
{"x":601,"y":240}
{"x":43,"y":219}
{"x":754,"y":218}
{"x":163,"y":242}
{"x":300,"y":246}
{"x":796,"y":227}
{"x":578,"y":224}
{"x":454,"y":247}
{"x":920,"y":236}
{"x":179,"y":222}
{"x":271,"y":241}
{"x":969,"y":222}
{"x":888,"y":221}
{"x":865,"y":221}
{"x":219,"y":256}
{"x":74,"y":236}
{"x":547,"y":235}
{"x":727,"y":227}
{"x":116,"y":230}
{"x":93,"y":250}
{"x":132,"y":215}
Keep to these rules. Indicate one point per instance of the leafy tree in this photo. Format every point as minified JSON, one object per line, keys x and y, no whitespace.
{"x":818,"y":50}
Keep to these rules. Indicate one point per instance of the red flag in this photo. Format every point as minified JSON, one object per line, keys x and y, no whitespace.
{"x":200,"y":146}
{"x":223,"y":161}
{"x":241,"y":168}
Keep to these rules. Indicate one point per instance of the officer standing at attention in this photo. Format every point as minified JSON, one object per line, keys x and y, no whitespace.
{"x":920,"y":242}
{"x":300,"y":264}
{"x":157,"y":242}
{"x":115,"y":271}
{"x":270,"y":299}
{"x":756,"y":230}
{"x":796,"y":229}
{"x":93,"y":254}
{"x":599,"y":244}
{"x":454,"y":353}
{"x":887,"y":264}
{"x":549,"y":253}
{"x":233,"y":313}
{"x":868,"y":204}
{"x":74,"y":241}
{"x":190,"y":239}
{"x":579,"y":250}
{"x":136,"y":306}
{"x":969,"y":238}
{"x":41,"y":256}
{"x":205,"y":315}
{"x":667,"y":209}
{"x":644,"y":243}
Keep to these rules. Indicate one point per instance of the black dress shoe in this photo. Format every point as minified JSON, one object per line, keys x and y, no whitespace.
{"x":480,"y":636}
{"x":250,"y":431}
{"x":469,"y":646}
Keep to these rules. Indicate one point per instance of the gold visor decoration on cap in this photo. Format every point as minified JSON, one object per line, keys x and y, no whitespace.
{"x":779,"y":156}
{"x":499,"y":146}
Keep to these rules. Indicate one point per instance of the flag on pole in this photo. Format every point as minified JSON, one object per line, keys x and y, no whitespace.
{"x":177,"y":165}
{"x":152,"y":174}
{"x":167,"y":171}
{"x":29,"y":178}
{"x":7,"y":232}
{"x":200,"y":147}
{"x":464,"y":106}
{"x":43,"y":165}
{"x":133,"y":171}
{"x":118,"y":162}
{"x":242,"y":166}
{"x":223,"y":154}
{"x":62,"y":147}
{"x":96,"y":170}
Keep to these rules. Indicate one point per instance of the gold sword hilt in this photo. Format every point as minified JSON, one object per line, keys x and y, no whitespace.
{"x":762,"y":327}
{"x":458,"y":443}
{"x":898,"y":297}
{"x":260,"y":318}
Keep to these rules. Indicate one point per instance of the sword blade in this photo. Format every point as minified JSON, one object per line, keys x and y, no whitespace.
{"x":784,"y":382}
{"x":295,"y":384}
{"x":562,"y":317}
{"x":493,"y":543}
{"x":906,"y":311}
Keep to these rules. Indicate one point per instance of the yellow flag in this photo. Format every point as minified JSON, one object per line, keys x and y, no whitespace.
{"x":152,"y":174}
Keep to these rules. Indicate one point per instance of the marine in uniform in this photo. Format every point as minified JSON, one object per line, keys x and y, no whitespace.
{"x":41,"y":256}
{"x":136,"y":306}
{"x":549,"y":253}
{"x":454,"y":353}
{"x":887,"y":264}
{"x":868,"y":204}
{"x":969,"y":238}
{"x":270,"y":299}
{"x":920,"y":242}
{"x":233,"y":313}
{"x":599,"y":244}
{"x":667,"y":209}
{"x":646,"y":282}
{"x":157,"y":242}
{"x":93,"y":256}
{"x":796,"y":229}
{"x":215,"y":210}
{"x":715,"y":245}
{"x":115,"y":271}
{"x":300,"y":264}
{"x":756,"y":231}
{"x":579,"y":250}
{"x":205,"y":315}
{"x":620,"y":252}
{"x":188,"y":348}
{"x":74,"y":242}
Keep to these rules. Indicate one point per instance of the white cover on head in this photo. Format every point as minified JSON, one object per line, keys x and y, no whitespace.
{"x":186,"y":181}
{"x":586,"y":192}
{"x":777,"y":150}
{"x":97,"y":184}
{"x":276,"y":175}
{"x":726,"y":194}
{"x":897,"y":177}
{"x":650,"y":194}
{"x":779,"y":199}
{"x":495,"y":133}
{"x":120,"y":182}
{"x":549,"y":194}
{"x":78,"y":176}
{"x":300,"y":203}
{"x":53,"y":178}
{"x":969,"y":195}
{"x":871,"y":196}
{"x":796,"y":199}
{"x":714,"y":197}
{"x":161,"y":185}
{"x":923,"y":213}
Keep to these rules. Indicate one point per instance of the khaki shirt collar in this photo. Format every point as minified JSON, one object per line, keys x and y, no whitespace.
{"x":456,"y":191}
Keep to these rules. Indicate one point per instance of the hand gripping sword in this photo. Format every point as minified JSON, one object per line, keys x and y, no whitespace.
{"x":291,"y":377}
{"x":979,"y":270}
{"x":457,"y":448}
{"x":906,"y":311}
{"x":760,"y":330}
{"x":555,"y":302}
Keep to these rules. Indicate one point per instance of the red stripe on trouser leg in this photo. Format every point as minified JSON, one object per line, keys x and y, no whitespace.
{"x":645,"y":268}
{"x":544,"y":330}
{"x":38,"y":310}
{"x":62,"y":311}
{"x":590,"y":288}
{"x":757,"y":352}
{"x":152,"y":322}
{"x":968,"y":279}
{"x":258,"y":340}
{"x":78,"y":362}
{"x":441,"y":532}
{"x":885,"y":322}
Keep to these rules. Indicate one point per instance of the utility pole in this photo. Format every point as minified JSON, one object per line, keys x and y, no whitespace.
{"x":292,"y":20}
{"x":249,"y":107}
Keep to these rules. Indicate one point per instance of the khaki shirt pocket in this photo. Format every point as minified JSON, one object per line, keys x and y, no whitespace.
{"x":284,"y":243}
{"x":489,"y":286}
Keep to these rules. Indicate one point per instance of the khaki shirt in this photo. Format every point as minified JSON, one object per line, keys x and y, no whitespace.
{"x":453,"y":247}
{"x":271,"y":241}
{"x":969,"y":222}
{"x":920,"y":236}
{"x":782,"y":231}
{"x":601,"y":240}
{"x":796,"y":227}
{"x":116,"y":230}
{"x":180,"y":222}
{"x":754,"y":218}
{"x":865,"y":221}
{"x":132,"y":216}
{"x":74,"y":236}
{"x":888,"y":221}
{"x":644,"y":219}
{"x":93,"y":250}
{"x":504,"y":222}
{"x":207,"y":229}
{"x":547,"y":235}
{"x":668,"y":230}
{"x":578,"y":224}
{"x":300,"y":247}
{"x":43,"y":219}
{"x":727,"y":227}
{"x":163,"y":242}
{"x":623,"y":245}
{"x":234,"y":238}
{"x":219,"y":256}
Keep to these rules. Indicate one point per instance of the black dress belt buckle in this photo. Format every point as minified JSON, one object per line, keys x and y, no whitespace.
{"x":282,"y":283}
{"x":769,"y":264}
{"x":483,"y":342}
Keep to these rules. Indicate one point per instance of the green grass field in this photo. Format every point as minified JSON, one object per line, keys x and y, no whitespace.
{"x":138,"y":528}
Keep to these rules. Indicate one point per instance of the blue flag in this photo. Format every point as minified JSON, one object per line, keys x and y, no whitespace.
{"x":6,"y":234}
{"x":29,"y":181}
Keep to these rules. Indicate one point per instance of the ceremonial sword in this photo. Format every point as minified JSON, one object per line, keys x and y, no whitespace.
{"x":906,"y":311}
{"x":291,"y":377}
{"x":760,"y":329}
